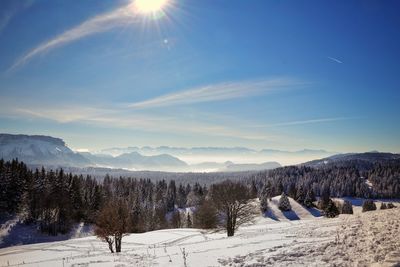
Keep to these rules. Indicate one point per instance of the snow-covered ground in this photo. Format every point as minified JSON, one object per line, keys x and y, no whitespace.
{"x":363,"y":239}
{"x":13,"y":232}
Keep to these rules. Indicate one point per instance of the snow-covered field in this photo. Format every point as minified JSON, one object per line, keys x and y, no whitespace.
{"x":362,"y":239}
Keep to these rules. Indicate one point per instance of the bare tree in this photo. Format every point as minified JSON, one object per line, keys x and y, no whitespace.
{"x":232,"y":201}
{"x":112,"y":223}
{"x":205,"y":215}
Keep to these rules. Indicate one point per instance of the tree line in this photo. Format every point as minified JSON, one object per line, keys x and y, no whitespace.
{"x":55,"y":200}
{"x":382,"y":180}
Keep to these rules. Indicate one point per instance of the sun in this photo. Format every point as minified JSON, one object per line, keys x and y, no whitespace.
{"x":149,"y":6}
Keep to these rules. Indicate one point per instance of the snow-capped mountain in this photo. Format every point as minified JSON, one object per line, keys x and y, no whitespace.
{"x":50,"y":151}
{"x":39,"y":150}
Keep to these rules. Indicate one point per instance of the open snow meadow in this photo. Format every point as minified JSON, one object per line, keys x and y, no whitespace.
{"x":300,"y":237}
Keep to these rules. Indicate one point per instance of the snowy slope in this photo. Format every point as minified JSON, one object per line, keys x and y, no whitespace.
{"x":298,"y":212}
{"x":355,"y":240}
{"x":363,"y":239}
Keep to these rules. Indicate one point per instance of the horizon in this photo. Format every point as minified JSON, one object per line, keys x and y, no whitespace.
{"x":194,"y":157}
{"x":79,"y":150}
{"x":259,"y":75}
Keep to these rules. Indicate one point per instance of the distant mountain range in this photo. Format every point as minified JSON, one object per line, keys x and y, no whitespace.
{"x":239,"y":155}
{"x":37,"y":150}
{"x":134,"y":160}
{"x":209,"y":151}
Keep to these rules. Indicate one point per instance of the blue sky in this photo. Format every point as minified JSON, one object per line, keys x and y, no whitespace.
{"x":260,"y":74}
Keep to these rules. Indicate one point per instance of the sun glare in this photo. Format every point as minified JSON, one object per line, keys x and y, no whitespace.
{"x":149,"y":6}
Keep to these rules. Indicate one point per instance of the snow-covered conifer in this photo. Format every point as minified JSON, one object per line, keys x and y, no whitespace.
{"x":331,"y":210}
{"x":368,"y":205}
{"x":284,"y":203}
{"x":347,"y":208}
{"x":310,"y":198}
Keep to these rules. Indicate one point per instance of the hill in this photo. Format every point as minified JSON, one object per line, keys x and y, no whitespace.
{"x":345,"y":240}
{"x":362,"y":161}
{"x":40,"y":150}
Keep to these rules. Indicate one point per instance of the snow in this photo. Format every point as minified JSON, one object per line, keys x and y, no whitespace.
{"x":13,"y":232}
{"x":298,"y":211}
{"x":369,"y":183}
{"x":362,"y":239}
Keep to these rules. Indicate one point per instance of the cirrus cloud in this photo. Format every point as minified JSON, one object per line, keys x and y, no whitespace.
{"x":101,"y":23}
{"x":217,"y":92}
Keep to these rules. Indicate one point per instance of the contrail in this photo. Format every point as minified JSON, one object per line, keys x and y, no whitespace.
{"x":335,"y":59}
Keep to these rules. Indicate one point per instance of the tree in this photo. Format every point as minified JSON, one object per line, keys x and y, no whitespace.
{"x":112,"y":223}
{"x":176,"y":220}
{"x":231,"y":200}
{"x":171,"y":196}
{"x":284,"y":204}
{"x":368,"y":205}
{"x":383,"y":206}
{"x":300,"y":195}
{"x":205,"y":216}
{"x":292,"y":191}
{"x":325,"y":199}
{"x":181,"y":197}
{"x":331,"y":210}
{"x":347,"y":208}
{"x":193,"y":199}
{"x":264,"y":196}
{"x":188,"y":221}
{"x":310,"y":198}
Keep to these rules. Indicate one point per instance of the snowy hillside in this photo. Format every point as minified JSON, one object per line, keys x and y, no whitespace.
{"x":360,"y":239}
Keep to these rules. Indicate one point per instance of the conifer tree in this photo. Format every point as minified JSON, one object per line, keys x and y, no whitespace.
{"x":264,"y":196}
{"x":300,"y":195}
{"x":368,"y":205}
{"x":347,"y":208}
{"x":188,"y":221}
{"x":284,"y":203}
{"x":309,"y":199}
{"x":331,"y":210}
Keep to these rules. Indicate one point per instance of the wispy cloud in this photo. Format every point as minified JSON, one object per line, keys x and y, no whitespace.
{"x":117,"y":117}
{"x":104,"y":22}
{"x":335,"y":60}
{"x":7,"y":13}
{"x":321,"y":120}
{"x":5,"y":19}
{"x":217,"y":92}
{"x":123,"y":119}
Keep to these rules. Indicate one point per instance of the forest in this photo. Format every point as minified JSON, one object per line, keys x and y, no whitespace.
{"x":55,"y":200}
{"x":380,"y":180}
